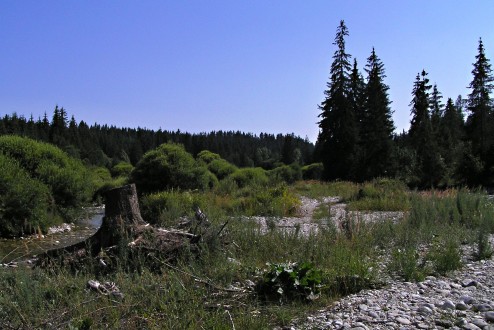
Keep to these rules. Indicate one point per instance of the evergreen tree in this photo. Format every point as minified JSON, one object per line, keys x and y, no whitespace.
{"x":377,"y":124}
{"x":451,"y":142}
{"x":429,"y":167}
{"x":436,"y":112}
{"x":338,"y":129}
{"x":357,"y":94}
{"x":479,"y":122}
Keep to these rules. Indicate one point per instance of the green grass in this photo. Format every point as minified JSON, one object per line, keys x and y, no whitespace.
{"x":195,"y":291}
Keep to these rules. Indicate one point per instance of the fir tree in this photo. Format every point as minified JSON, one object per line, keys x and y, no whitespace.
{"x":436,"y":112}
{"x":357,"y":94}
{"x":429,"y":169}
{"x":479,"y":122}
{"x":338,"y":129}
{"x":377,"y":124}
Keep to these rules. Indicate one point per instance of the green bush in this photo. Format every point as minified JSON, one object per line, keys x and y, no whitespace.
{"x":24,"y":202}
{"x":250,"y":176}
{"x":165,"y":208}
{"x":221,"y":168}
{"x":122,"y":169}
{"x":170,"y":166}
{"x":207,"y":156}
{"x":286,"y":173}
{"x":67,"y":178}
{"x":312,"y":171}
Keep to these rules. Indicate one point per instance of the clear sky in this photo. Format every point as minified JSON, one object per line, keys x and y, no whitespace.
{"x":254,"y":66}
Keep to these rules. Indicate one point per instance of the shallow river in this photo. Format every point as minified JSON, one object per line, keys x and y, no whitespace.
{"x":19,"y":249}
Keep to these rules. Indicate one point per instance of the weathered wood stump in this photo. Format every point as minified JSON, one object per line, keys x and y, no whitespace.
{"x":122,"y":216}
{"x":124,"y":232}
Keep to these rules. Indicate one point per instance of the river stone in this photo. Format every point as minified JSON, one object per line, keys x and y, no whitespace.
{"x":444,"y":323}
{"x":469,"y":282}
{"x":424,"y":310}
{"x":403,"y":320}
{"x":489,"y":316}
{"x":461,"y":306}
{"x":470,"y":326}
{"x":480,"y":323}
{"x":373,"y":314}
{"x":467,"y":300}
{"x":482,"y":308}
{"x":448,"y":304}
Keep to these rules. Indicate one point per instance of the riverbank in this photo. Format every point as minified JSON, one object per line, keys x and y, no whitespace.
{"x":462,"y":300}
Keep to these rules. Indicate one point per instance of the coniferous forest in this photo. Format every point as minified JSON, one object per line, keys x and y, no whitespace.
{"x":448,"y":144}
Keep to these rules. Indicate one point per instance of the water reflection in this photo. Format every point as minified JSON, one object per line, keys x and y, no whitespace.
{"x":18,"y":249}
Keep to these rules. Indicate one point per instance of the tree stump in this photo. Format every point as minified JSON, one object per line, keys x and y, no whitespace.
{"x":122,"y":216}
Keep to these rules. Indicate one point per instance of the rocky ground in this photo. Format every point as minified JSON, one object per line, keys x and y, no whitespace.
{"x":463,"y":300}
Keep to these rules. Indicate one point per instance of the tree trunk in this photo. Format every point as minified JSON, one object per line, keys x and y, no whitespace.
{"x":122,"y":216}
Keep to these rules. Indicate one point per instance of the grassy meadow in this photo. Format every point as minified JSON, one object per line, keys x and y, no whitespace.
{"x":253,"y":280}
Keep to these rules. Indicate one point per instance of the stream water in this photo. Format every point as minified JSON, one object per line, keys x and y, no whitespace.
{"x":25,"y":248}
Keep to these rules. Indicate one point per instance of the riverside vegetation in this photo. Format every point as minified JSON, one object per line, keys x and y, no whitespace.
{"x":253,"y":279}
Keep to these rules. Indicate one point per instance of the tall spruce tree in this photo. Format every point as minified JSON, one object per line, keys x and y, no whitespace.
{"x":377,"y":124}
{"x":429,"y":167}
{"x":436,"y":112}
{"x":479,"y":122}
{"x":338,"y":129}
{"x":357,"y":94}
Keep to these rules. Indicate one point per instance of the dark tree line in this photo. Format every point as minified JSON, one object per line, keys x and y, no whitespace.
{"x":104,"y":145}
{"x":441,"y":148}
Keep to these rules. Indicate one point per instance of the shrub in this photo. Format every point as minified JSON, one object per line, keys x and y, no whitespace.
{"x":312,"y":171}
{"x":286,"y":173}
{"x":221,"y":168}
{"x":121,"y":169}
{"x":165,"y":208}
{"x":24,"y":202}
{"x":250,"y":176}
{"x":169,"y":166}
{"x":207,"y":156}
{"x":66,"y":177}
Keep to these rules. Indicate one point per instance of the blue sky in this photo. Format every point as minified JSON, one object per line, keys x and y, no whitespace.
{"x":254,"y":66}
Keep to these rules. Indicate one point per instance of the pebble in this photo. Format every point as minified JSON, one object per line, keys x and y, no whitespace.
{"x":463,"y":300}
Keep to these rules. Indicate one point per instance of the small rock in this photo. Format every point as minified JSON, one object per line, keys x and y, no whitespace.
{"x":444,"y":323}
{"x":489,"y":316}
{"x":448,"y":304}
{"x":482,"y":308}
{"x":461,"y":306}
{"x":373,"y":314}
{"x":467,"y":300}
{"x":424,"y":310}
{"x":470,"y":326}
{"x":480,"y":323}
{"x":403,"y":320}
{"x":469,"y":282}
